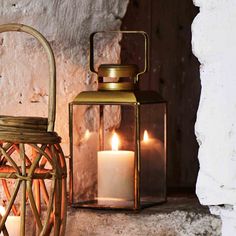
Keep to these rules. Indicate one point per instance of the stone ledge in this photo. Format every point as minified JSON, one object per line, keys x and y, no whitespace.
{"x":182,"y":216}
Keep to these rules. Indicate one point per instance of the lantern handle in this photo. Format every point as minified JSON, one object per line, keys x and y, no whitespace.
{"x":51,"y":61}
{"x":146,"y":49}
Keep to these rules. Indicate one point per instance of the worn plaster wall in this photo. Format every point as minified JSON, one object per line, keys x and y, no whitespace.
{"x":67,"y":25}
{"x":214,"y":37}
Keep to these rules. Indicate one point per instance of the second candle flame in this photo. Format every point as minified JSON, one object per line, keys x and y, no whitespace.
{"x":115,"y":142}
{"x":145,"y":136}
{"x":2,"y":211}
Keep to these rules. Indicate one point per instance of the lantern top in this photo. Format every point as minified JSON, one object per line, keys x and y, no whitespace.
{"x":117,"y":70}
{"x":118,"y":92}
{"x":117,"y":97}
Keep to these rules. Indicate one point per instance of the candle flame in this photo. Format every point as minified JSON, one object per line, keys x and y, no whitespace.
{"x":86,"y":135}
{"x":115,"y":142}
{"x":145,"y":136}
{"x":2,"y":211}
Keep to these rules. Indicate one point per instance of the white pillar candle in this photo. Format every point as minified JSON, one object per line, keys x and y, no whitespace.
{"x":12,"y":223}
{"x":115,"y":174}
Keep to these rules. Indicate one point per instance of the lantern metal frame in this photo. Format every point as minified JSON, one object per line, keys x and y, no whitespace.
{"x":115,"y":93}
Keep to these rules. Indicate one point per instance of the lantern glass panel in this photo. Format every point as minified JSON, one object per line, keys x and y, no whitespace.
{"x":85,"y":146}
{"x":104,"y":172}
{"x":153,"y":153}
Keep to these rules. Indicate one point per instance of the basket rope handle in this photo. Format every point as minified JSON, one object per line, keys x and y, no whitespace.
{"x":52,"y":66}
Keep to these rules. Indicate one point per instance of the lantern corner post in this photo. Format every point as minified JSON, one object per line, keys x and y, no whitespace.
{"x":71,"y":190}
{"x":137,"y":162}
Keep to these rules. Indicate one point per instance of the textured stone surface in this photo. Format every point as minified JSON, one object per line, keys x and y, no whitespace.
{"x":215,"y":127}
{"x":67,"y":25}
{"x":23,"y":66}
{"x":228,"y":217}
{"x":213,"y":43}
{"x":179,"y":217}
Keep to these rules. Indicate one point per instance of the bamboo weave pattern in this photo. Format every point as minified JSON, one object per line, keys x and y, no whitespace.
{"x":32,"y":164}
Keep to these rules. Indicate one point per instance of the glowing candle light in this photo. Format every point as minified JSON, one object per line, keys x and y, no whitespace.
{"x":12,"y":223}
{"x":2,"y":211}
{"x":115,"y":142}
{"x":87,"y":135}
{"x":152,"y":153}
{"x":145,"y":136}
{"x":115,"y":173}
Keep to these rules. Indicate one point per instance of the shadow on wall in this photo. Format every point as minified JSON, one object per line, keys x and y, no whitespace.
{"x":174,"y":73}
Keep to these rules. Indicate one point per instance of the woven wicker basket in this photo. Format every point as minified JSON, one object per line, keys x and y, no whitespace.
{"x":31,"y":157}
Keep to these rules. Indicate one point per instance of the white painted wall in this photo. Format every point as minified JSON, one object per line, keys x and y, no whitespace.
{"x":214,"y":43}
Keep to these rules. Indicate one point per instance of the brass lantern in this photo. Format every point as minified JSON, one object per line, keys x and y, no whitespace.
{"x":117,"y":140}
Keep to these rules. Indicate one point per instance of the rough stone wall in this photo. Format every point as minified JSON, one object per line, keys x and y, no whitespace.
{"x":214,"y":37}
{"x":67,"y":25}
{"x":148,"y":222}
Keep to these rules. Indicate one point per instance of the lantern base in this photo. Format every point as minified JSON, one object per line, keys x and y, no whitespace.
{"x":119,"y":205}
